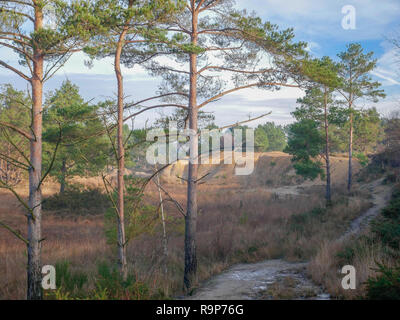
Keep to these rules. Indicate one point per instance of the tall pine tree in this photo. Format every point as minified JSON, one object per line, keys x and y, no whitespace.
{"x":215,"y":50}
{"x":42,"y":34}
{"x":356,"y":84}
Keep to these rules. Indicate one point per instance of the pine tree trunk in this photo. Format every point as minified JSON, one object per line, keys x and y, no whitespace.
{"x":165,"y":240}
{"x":350,"y":177}
{"x":34,"y":289}
{"x":327,"y":158}
{"x":63,"y":176}
{"x":191,"y":214}
{"x":121,"y":161}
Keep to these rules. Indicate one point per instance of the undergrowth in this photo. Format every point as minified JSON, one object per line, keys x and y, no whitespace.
{"x":77,"y":201}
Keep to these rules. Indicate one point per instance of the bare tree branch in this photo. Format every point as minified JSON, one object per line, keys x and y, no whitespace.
{"x":24,"y":204}
{"x":17,"y":13}
{"x":21,"y":74}
{"x":17,"y":148}
{"x":16,"y":129}
{"x":170,"y":198}
{"x":16,"y":233}
{"x":19,"y":2}
{"x":23,"y":52}
{"x":234,"y":70}
{"x":154,"y":98}
{"x":14,"y":162}
{"x":52,"y":160}
{"x":246,"y":121}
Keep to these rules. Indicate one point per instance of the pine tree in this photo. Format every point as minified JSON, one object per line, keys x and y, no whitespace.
{"x":319,"y":105}
{"x":129,"y":23}
{"x":354,"y":69}
{"x":208,"y":42}
{"x":82,"y":150}
{"x":43,"y":34}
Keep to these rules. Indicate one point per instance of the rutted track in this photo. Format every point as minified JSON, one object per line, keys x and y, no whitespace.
{"x":256,"y":281}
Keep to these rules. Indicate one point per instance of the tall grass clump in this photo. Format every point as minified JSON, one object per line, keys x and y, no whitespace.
{"x":106,"y":284}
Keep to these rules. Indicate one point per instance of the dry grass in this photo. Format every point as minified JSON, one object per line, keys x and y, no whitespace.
{"x":234,"y":225}
{"x":363,"y":251}
{"x":325,"y":268}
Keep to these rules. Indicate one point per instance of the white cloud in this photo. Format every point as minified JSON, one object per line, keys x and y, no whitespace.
{"x":11,"y":58}
{"x":317,"y":18}
{"x":75,"y":65}
{"x":389,"y":80}
{"x":238,"y":106}
{"x":312,"y":47}
{"x":388,"y":67}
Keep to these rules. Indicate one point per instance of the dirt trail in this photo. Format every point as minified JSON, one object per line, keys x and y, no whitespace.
{"x":277,"y":278}
{"x":380,"y":198}
{"x":264,"y":280}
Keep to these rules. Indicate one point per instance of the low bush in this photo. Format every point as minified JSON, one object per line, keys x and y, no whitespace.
{"x":353,"y":248}
{"x":388,"y":232}
{"x":386,"y":285}
{"x":301,"y":223}
{"x":387,"y":228}
{"x":69,"y":281}
{"x":111,"y":286}
{"x":107,"y":284}
{"x":78,"y":201}
{"x":393,"y":210}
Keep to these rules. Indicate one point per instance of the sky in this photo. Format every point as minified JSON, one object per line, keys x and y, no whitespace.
{"x":317,"y":22}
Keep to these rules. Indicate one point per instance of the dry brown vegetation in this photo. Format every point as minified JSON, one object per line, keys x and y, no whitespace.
{"x":325,"y":267}
{"x":377,"y":245}
{"x":234,"y":225}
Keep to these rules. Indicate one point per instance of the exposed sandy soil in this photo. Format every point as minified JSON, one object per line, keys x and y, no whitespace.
{"x":264,"y":280}
{"x":271,"y":170}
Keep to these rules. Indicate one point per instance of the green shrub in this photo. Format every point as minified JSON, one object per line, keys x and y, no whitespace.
{"x":346,"y":255}
{"x":269,"y":182}
{"x":362,"y":159}
{"x":387,"y":227}
{"x":67,"y":281}
{"x":388,"y":231}
{"x":111,"y":286}
{"x":140,"y":218}
{"x":107,"y":284}
{"x":393,"y":210}
{"x":78,"y":201}
{"x":386,"y":285}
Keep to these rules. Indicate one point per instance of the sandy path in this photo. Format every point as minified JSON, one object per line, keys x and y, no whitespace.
{"x":252,"y":281}
{"x":380,"y":198}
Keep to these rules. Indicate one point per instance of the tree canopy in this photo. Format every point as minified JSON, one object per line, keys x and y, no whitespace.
{"x":81,"y":150}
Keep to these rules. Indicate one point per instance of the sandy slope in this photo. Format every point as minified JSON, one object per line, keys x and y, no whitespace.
{"x":271,"y":170}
